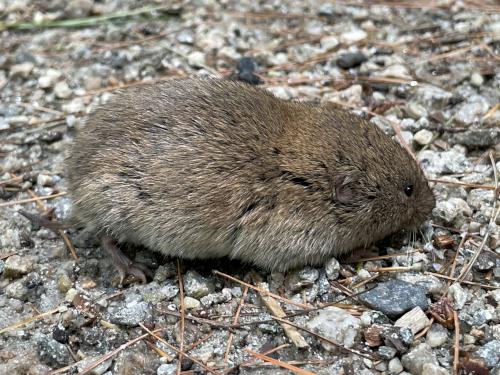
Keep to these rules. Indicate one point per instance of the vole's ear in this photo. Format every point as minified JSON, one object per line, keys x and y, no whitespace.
{"x":344,"y":187}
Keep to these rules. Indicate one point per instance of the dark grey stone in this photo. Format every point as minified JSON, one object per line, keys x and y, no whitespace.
{"x":395,"y":297}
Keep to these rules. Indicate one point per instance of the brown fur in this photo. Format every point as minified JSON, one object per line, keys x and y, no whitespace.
{"x":202,"y":168}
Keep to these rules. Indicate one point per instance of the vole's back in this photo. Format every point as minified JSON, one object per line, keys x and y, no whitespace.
{"x":204,"y":168}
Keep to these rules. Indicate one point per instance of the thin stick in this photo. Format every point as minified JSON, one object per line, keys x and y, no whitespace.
{"x":195,"y":344}
{"x":324,"y":338}
{"x":276,"y":310}
{"x":264,"y":292}
{"x":462,"y":281}
{"x":456,"y":349}
{"x":5,"y":256}
{"x":40,"y":198}
{"x":179,"y":352}
{"x":182,"y":312}
{"x":279,"y":363}
{"x":235,"y":321}
{"x":474,"y":186}
{"x":30,"y":320}
{"x":61,"y":232}
{"x":160,"y":352}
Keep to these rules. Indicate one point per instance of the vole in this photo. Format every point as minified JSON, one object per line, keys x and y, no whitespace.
{"x":204,"y":168}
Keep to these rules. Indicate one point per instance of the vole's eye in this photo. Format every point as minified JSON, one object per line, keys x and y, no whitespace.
{"x":409,"y":190}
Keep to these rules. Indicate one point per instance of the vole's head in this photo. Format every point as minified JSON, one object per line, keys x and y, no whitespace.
{"x":380,"y":188}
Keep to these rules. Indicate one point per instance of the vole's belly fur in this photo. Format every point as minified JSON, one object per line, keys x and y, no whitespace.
{"x":209,"y":170}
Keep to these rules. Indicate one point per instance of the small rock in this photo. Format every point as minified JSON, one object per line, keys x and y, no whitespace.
{"x":485,"y":262}
{"x":417,"y":357}
{"x":351,"y":95}
{"x":51,"y":352}
{"x":353,"y":36}
{"x":191,"y":303}
{"x":17,"y":290}
{"x":454,"y":210}
{"x":75,"y":106}
{"x":78,"y":8}
{"x":64,"y":283}
{"x":416,"y":110}
{"x":432,"y":369}
{"x":396,"y":71}
{"x":97,"y":370}
{"x":395,"y":366}
{"x":432,"y":96}
{"x":197,"y":286}
{"x":490,"y":353}
{"x":336,"y":324}
{"x":415,"y":320}
{"x":245,"y":71}
{"x":472,"y":110}
{"x":62,"y":90}
{"x":21,"y":70}
{"x":185,"y":37}
{"x":423,"y":137}
{"x":332,"y":269}
{"x":476,"y":79}
{"x":387,"y":352}
{"x":351,"y":60}
{"x":436,"y":335}
{"x":131,"y":314}
{"x":458,"y":295}
{"x":167,"y":369}
{"x":44,"y":180}
{"x":329,"y":42}
{"x":49,"y":78}
{"x":16,"y":266}
{"x":196,"y":59}
{"x":395,"y":297}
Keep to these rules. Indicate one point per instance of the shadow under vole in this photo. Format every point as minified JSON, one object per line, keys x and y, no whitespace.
{"x":206,"y":168}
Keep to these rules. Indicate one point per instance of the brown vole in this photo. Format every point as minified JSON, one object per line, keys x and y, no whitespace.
{"x":202,"y":168}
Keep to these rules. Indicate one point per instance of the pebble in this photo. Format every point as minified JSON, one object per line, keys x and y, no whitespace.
{"x":196,"y":59}
{"x":16,"y":266}
{"x":131,"y":314}
{"x":353,"y":36}
{"x":452,"y":211}
{"x":417,"y":357}
{"x":395,"y":366}
{"x":458,"y":295}
{"x":49,"y":78}
{"x":476,"y":79}
{"x":432,"y":97}
{"x":415,"y":320}
{"x":338,"y":325}
{"x":395,"y":297}
{"x":386,"y":352}
{"x":351,"y":60}
{"x":62,"y":90}
{"x":351,"y":95}
{"x":78,"y":8}
{"x":51,"y":352}
{"x":432,"y":369}
{"x":185,"y":37}
{"x":329,"y":42}
{"x":167,"y":369}
{"x":490,"y":353}
{"x":436,"y":335}
{"x":332,"y":269}
{"x":21,"y":70}
{"x":416,"y":110}
{"x":472,"y":110}
{"x":17,"y":290}
{"x":191,"y":303}
{"x":64,"y":283}
{"x":396,"y":71}
{"x":245,"y":71}
{"x":197,"y":286}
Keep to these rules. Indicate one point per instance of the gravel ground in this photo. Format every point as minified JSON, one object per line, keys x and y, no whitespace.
{"x":429,"y":72}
